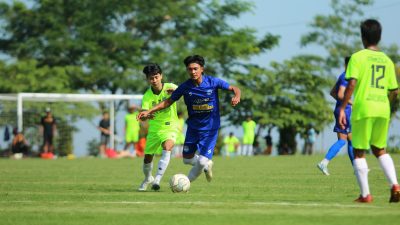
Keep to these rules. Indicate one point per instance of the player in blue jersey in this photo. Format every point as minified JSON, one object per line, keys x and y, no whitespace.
{"x":200,"y":94}
{"x":337,"y":93}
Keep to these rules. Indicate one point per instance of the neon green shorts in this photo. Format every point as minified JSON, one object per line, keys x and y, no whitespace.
{"x":156,"y":138}
{"x":370,"y":131}
{"x":248,"y":139}
{"x":132,"y":136}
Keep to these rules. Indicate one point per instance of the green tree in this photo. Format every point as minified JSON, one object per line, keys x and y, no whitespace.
{"x":110,"y":43}
{"x":339,"y":32}
{"x":286,"y":96}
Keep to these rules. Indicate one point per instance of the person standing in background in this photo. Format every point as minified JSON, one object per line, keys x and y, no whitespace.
{"x":132,"y":127}
{"x":104,"y":127}
{"x":249,"y":127}
{"x":231,"y":145}
{"x":48,"y":129}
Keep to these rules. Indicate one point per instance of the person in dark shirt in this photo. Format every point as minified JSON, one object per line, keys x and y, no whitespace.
{"x":104,"y":127}
{"x":48,"y":128}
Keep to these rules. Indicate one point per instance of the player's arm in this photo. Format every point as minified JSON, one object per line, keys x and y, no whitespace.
{"x":162,"y":105}
{"x":392,"y":97}
{"x":333,"y":92}
{"x":236,"y":97}
{"x":346,"y":100}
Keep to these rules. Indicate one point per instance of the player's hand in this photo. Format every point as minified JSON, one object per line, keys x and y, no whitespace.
{"x":144,"y":115}
{"x":342,"y":119}
{"x":170,"y":90}
{"x":235,"y":101}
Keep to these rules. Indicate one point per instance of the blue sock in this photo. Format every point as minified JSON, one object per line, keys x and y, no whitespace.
{"x":350,"y":151}
{"x":335,"y":148}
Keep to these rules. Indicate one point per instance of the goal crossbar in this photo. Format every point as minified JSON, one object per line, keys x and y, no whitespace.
{"x":57,"y":97}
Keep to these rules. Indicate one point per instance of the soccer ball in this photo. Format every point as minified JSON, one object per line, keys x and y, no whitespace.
{"x":179,"y":183}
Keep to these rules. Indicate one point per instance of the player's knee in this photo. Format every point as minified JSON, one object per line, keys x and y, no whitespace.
{"x":203,"y":161}
{"x":188,"y":161}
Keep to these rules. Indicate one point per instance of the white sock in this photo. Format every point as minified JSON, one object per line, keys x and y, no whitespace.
{"x":147,"y":168}
{"x":325,"y":162}
{"x":197,"y":169}
{"x":162,"y":165}
{"x":191,"y":161}
{"x":388,"y":168}
{"x":361,"y":171}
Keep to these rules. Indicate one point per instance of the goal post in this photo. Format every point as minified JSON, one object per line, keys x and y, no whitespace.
{"x":23,"y":99}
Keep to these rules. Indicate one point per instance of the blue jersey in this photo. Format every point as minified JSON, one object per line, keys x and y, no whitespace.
{"x":202,"y":102}
{"x":341,"y":82}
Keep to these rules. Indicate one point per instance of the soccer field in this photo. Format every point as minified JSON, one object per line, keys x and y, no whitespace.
{"x":254,"y":190}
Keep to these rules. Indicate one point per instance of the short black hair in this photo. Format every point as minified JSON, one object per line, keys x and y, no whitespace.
{"x":194,"y":59}
{"x":371,"y":31}
{"x":152,"y":69}
{"x":347,"y":60}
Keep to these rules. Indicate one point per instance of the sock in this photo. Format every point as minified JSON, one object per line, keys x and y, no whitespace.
{"x":388,"y":168}
{"x":197,"y":169}
{"x":325,"y":161}
{"x":350,"y":151}
{"x":334,"y":149}
{"x":147,"y":168}
{"x":361,"y":171}
{"x":191,"y":161}
{"x":162,"y":165}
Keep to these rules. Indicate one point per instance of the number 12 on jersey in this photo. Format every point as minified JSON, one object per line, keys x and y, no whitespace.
{"x":378,"y":72}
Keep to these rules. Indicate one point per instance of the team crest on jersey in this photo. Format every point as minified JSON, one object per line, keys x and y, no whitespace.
{"x":185,"y":148}
{"x":209,"y":92}
{"x":190,"y":93}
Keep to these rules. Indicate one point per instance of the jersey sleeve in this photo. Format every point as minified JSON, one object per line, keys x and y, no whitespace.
{"x":392,"y":81}
{"x":221,"y":84}
{"x":342,"y":81}
{"x":352,"y":71}
{"x":177,"y":94}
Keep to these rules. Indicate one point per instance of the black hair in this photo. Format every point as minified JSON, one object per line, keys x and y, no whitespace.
{"x":371,"y":31}
{"x":194,"y":59}
{"x":152,"y":69}
{"x":347,"y":60}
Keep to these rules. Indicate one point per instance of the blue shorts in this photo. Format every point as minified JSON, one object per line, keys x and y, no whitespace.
{"x":202,"y":140}
{"x":337,"y":128}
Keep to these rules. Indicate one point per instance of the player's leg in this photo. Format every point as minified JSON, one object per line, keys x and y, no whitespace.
{"x":206,"y":151}
{"x":362,"y":130}
{"x":168,"y":139}
{"x":378,"y":145}
{"x":152,"y":145}
{"x":332,"y":152}
{"x":350,"y":150}
{"x":189,"y":153}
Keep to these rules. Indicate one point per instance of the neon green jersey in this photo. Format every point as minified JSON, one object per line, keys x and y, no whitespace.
{"x":131,"y":121}
{"x":231,"y":143}
{"x":163,"y":119}
{"x":248,"y":128}
{"x":375,"y":75}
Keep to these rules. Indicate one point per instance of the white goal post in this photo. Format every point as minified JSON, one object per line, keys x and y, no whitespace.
{"x":20,"y":98}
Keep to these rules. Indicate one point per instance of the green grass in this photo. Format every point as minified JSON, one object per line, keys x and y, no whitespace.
{"x":256,"y":190}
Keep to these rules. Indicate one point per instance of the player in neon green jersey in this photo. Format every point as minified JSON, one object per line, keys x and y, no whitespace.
{"x":163,"y":126}
{"x":372,"y":78}
{"x":132,"y":127}
{"x":249,"y":127}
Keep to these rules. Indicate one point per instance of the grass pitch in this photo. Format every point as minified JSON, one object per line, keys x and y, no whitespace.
{"x":245,"y":190}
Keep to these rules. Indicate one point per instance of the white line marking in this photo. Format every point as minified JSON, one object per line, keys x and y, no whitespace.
{"x":311,"y":204}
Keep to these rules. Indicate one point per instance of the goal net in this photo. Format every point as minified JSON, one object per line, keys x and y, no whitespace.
{"x":77,"y":117}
